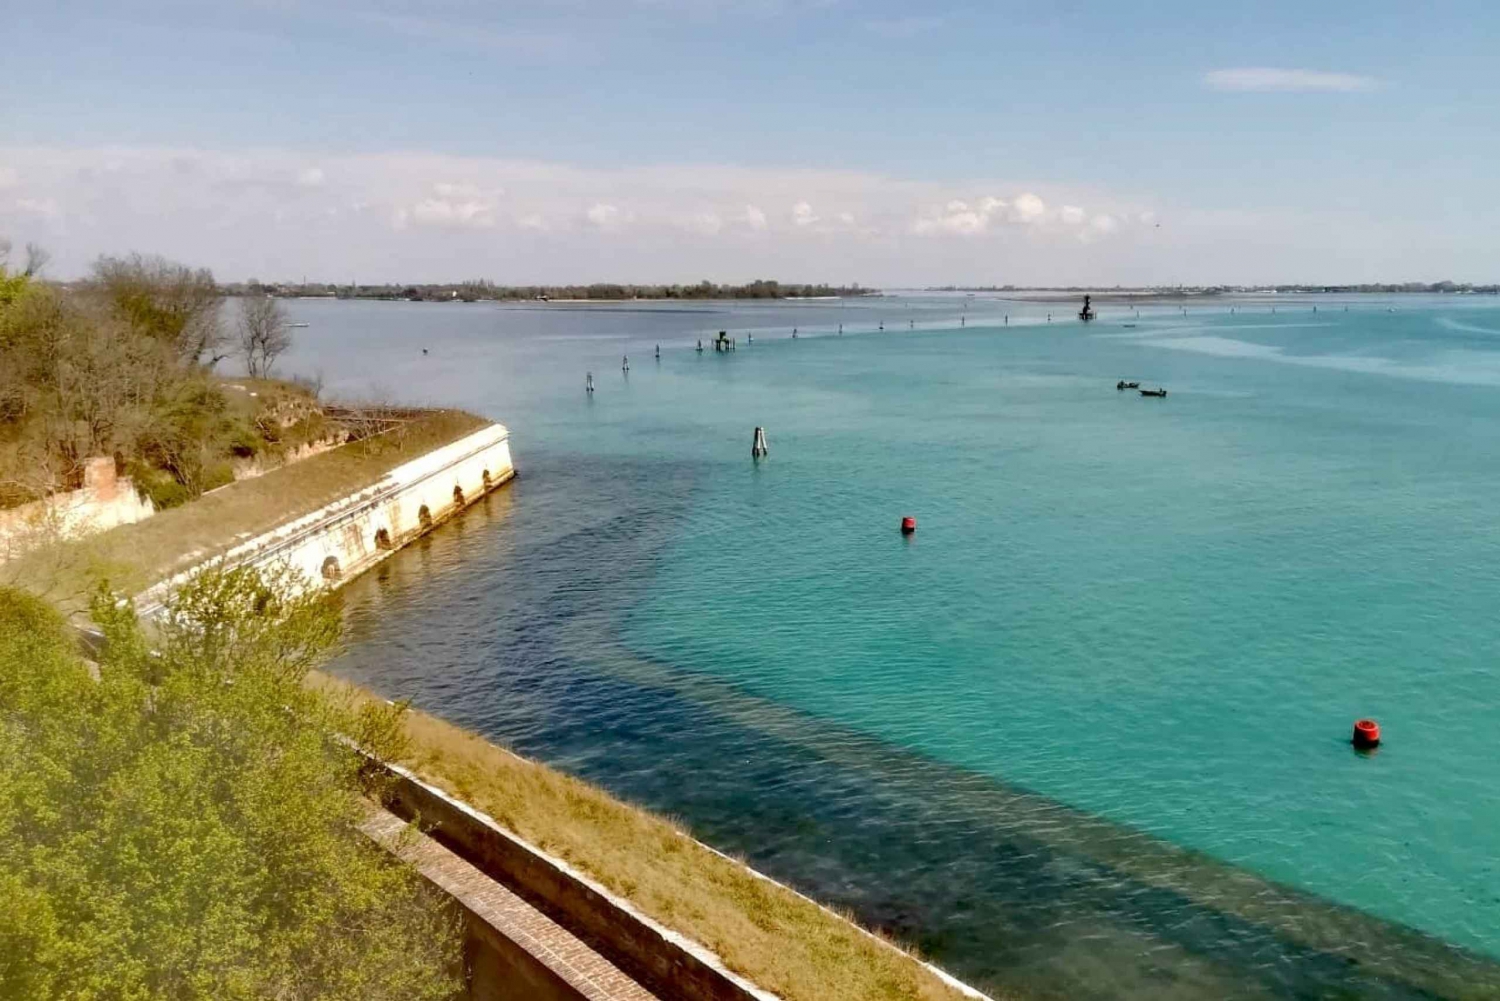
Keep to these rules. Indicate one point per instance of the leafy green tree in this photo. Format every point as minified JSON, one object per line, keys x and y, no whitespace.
{"x":180,"y":823}
{"x":12,"y":283}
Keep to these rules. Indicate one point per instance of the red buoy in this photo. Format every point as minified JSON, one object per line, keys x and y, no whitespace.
{"x":908,"y":525}
{"x":1366,"y":733}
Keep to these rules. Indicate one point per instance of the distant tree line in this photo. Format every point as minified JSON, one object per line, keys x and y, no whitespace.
{"x":1443,"y":286}
{"x":477,"y":290}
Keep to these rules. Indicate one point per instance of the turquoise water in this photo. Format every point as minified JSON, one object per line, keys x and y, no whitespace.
{"x":1159,"y":617}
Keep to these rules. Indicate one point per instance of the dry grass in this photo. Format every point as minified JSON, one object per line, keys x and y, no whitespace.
{"x":247,"y":396}
{"x":132,"y":557}
{"x":765,"y":932}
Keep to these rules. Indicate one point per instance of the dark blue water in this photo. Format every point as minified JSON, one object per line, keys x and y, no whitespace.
{"x":1085,"y":735}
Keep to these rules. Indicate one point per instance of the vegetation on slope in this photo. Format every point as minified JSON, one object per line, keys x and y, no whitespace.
{"x":133,"y":557}
{"x":123,"y":366}
{"x":181,"y":825}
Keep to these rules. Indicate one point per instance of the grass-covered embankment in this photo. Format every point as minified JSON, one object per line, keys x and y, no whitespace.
{"x":132,"y":557}
{"x":778,"y":939}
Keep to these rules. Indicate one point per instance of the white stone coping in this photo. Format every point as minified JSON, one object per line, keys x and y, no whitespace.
{"x":288,"y":535}
{"x":703,"y":954}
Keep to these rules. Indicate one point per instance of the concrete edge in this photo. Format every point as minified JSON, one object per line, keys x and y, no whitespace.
{"x":936,"y":971}
{"x":550,"y":959}
{"x":678,"y":949}
{"x":736,"y":985}
{"x":947,"y":978}
{"x":286,"y":536}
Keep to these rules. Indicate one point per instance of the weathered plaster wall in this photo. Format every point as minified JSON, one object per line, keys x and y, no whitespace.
{"x":105,"y":501}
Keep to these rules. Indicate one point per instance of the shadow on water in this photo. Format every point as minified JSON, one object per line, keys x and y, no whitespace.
{"x":509,"y":619}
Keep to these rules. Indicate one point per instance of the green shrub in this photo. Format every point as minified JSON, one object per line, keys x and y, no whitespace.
{"x":244,"y":441}
{"x":183,"y":826}
{"x":158,"y":486}
{"x":219,"y":474}
{"x":313,"y":427}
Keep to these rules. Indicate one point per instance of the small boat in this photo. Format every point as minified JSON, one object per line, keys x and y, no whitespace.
{"x":296,"y":324}
{"x":1153,"y":392}
{"x":1128,"y":326}
{"x":1122,"y":384}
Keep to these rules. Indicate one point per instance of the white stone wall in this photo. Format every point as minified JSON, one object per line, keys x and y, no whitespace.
{"x":104,"y":502}
{"x":358,"y":531}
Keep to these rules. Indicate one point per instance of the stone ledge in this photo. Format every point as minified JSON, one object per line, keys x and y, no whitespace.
{"x":663,"y":961}
{"x":512,"y":949}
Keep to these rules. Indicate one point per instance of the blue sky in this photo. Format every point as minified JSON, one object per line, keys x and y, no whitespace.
{"x":841,"y":140}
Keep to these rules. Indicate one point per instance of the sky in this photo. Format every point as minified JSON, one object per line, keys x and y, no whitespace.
{"x":891,"y":144}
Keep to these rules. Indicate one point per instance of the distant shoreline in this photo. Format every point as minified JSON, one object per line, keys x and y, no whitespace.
{"x":1045,"y":294}
{"x":1032,"y":295}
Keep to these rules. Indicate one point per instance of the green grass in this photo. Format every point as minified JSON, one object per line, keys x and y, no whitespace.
{"x":132,"y":557}
{"x":782,"y":941}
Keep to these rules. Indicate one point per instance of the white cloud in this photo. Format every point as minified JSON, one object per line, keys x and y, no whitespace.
{"x":1265,"y":78}
{"x":244,"y":212}
{"x":707,"y":223}
{"x":445,"y":212}
{"x":457,"y":206}
{"x":960,"y":221}
{"x":311,"y":177}
{"x":1072,"y":215}
{"x":1028,"y":208}
{"x":603,"y":215}
{"x":470,"y":191}
{"x":1099,"y":227}
{"x":959,"y":218}
{"x":47,"y":208}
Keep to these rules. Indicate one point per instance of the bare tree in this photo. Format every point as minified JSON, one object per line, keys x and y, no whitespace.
{"x":167,"y":301}
{"x":264,"y":333}
{"x":36,"y":259}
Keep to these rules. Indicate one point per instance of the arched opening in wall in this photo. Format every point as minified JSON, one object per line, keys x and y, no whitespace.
{"x":424,"y":516}
{"x":331,"y":569}
{"x":458,"y":495}
{"x":487,"y":482}
{"x":382,"y":539}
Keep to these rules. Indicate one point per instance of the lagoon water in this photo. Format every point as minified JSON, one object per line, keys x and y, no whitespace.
{"x":1085,"y":733}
